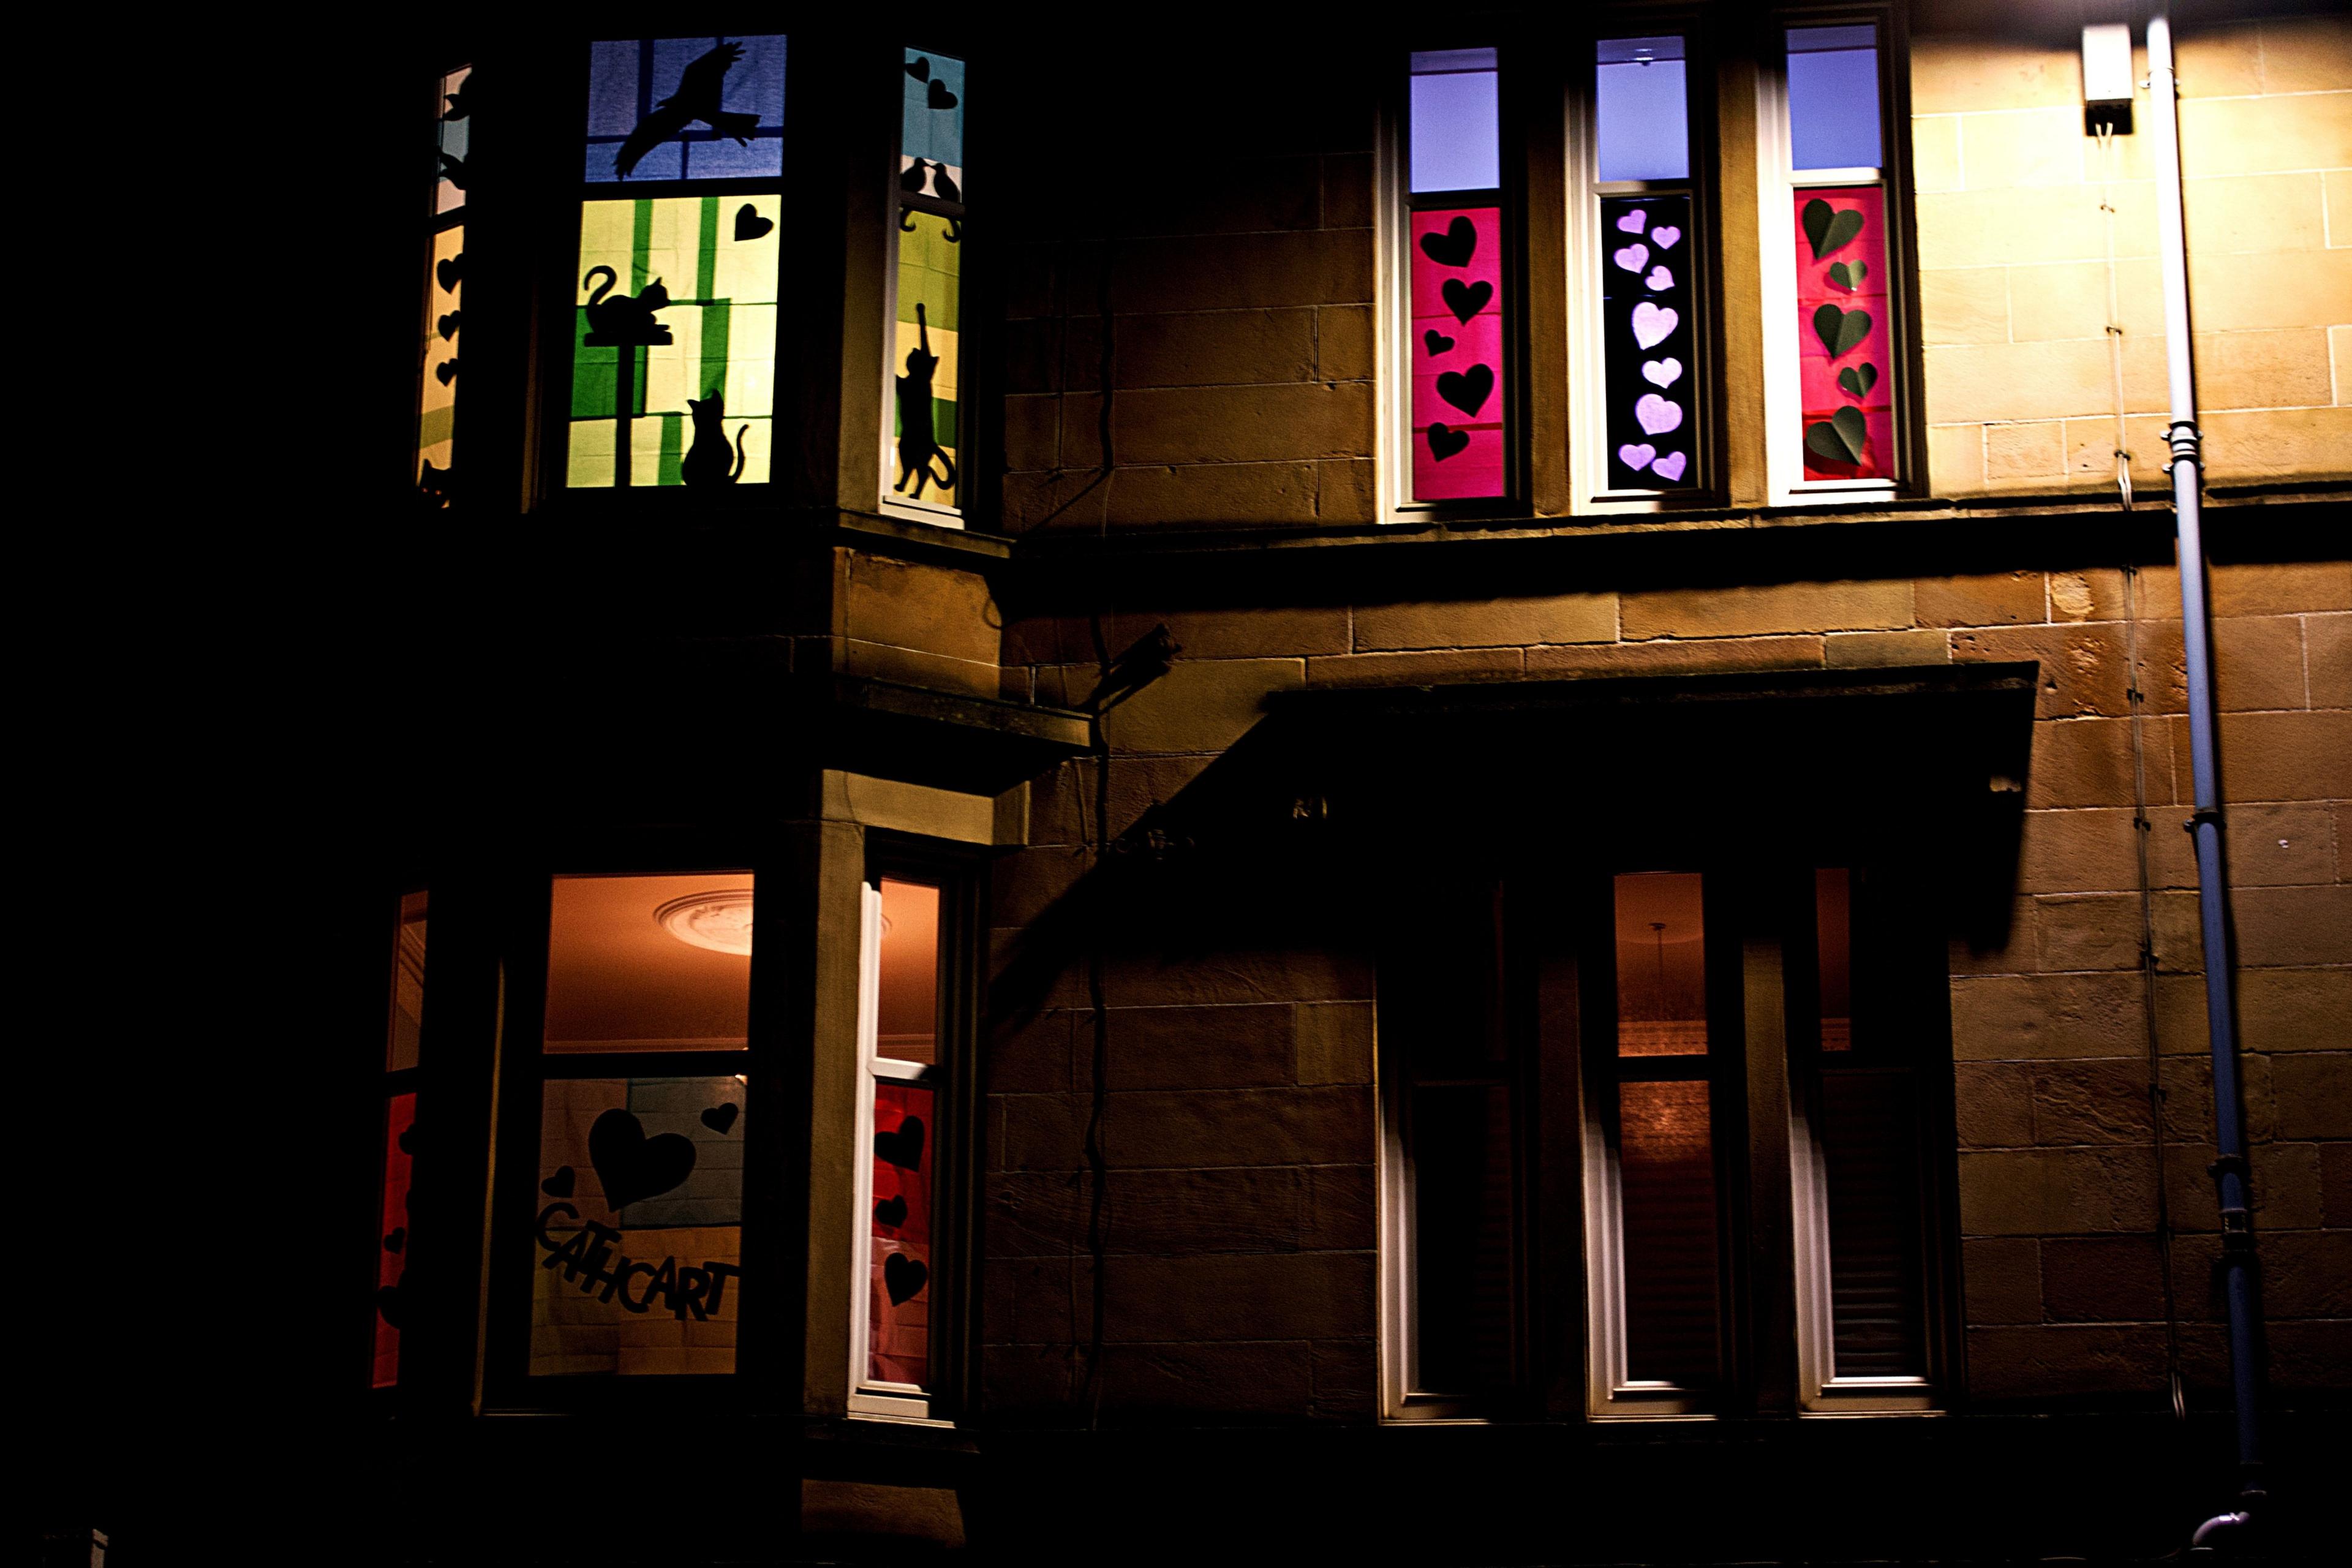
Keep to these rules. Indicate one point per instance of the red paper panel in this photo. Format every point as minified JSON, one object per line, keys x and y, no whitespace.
{"x":1457,"y":374}
{"x":1818,"y":370}
{"x":899,"y":1331}
{"x":391,"y":1236}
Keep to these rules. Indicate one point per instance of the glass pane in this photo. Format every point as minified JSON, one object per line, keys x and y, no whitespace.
{"x":1661,"y":966}
{"x":407,"y":985}
{"x":1832,"y":922}
{"x":1440,"y":994}
{"x":391,"y":1235}
{"x":437,"y":401}
{"x":640,"y":1227}
{"x":1642,"y":117}
{"x":1666,"y":1174}
{"x":898,"y":1320}
{"x":1646,"y":326}
{"x":1455,"y":121}
{"x":907,"y":1023}
{"x":1846,"y":356}
{"x":1869,"y":1148}
{"x":1457,"y":353}
{"x":674,"y":342}
{"x":451,"y":137}
{"x":930,"y":126}
{"x":1461,"y":1173}
{"x":685,"y":109}
{"x":1833,"y":98}
{"x":649,"y":963}
{"x":926,"y":366}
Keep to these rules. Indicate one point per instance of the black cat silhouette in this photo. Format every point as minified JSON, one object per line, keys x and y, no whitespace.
{"x":918,"y":436}
{"x":705,"y":463}
{"x":438,"y":486}
{"x":697,"y":98}
{"x":623,"y":321}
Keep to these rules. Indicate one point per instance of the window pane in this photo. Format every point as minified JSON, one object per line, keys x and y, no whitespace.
{"x":898,"y":1321}
{"x":649,"y":963}
{"x":1646,"y":324}
{"x":407,"y":985}
{"x":674,"y":342}
{"x":1832,"y":907}
{"x":1457,"y":353}
{"x":1455,"y":121}
{"x":1833,"y":98}
{"x":1642,"y":117}
{"x":392,"y":1231}
{"x":1846,"y":360}
{"x":685,"y":109}
{"x":1440,"y":994}
{"x":1661,"y":966}
{"x":930,"y":126}
{"x":1869,"y":1147}
{"x":1666,"y":1175}
{"x":437,"y":411}
{"x":640,"y":1227}
{"x":452,"y":133}
{"x":927,"y":359}
{"x":1461,"y":1173}
{"x":907,"y":1026}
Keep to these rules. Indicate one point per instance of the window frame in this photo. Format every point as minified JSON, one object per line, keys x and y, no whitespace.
{"x":391,"y":1082}
{"x":887,"y":500}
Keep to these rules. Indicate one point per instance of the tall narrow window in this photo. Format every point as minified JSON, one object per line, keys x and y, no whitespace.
{"x":1653,"y":1223}
{"x":403,"y":1032}
{"x":1844,"y":427}
{"x":1454,"y":265}
{"x":437,"y":406}
{"x":673,"y":331}
{"x":1855,"y":1144}
{"x":900,"y":1087}
{"x":641,"y":1103}
{"x":1648,"y":217}
{"x":925,"y":416}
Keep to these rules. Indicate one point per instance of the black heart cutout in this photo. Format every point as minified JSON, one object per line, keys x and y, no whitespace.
{"x":1444,"y":441}
{"x":450,"y":271}
{"x":632,"y":1165}
{"x":446,"y":371}
{"x":903,"y":1148}
{"x":397,"y":1239}
{"x":919,"y":68}
{"x":940,"y":97}
{"x":720,"y":1118}
{"x":1467,"y":390}
{"x":560,"y":1184}
{"x":1435,"y":342}
{"x":750,"y":225}
{"x":1454,"y":247}
{"x":448,"y":327}
{"x":407,"y":1139}
{"x":891,"y":1212}
{"x":387,"y":1302}
{"x":903,"y":1278}
{"x":1465,"y":300}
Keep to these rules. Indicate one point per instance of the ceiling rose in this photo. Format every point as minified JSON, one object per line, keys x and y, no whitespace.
{"x":720,"y":921}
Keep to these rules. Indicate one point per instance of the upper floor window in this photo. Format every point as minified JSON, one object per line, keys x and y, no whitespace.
{"x":1454,"y":229}
{"x":402,"y":1043}
{"x":445,"y":284}
{"x":923,"y":424}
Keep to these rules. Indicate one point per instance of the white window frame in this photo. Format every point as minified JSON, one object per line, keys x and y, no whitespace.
{"x":1777,"y":184}
{"x":1820,"y":1390}
{"x":1401,"y":1397}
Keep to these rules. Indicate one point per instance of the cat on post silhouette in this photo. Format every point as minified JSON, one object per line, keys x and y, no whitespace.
{"x":705,"y":462}
{"x":697,"y":98}
{"x":624,"y":320}
{"x":918,"y":436}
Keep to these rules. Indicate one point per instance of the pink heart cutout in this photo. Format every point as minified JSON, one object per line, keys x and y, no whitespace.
{"x":1662,"y":371}
{"x":1656,"y":415}
{"x":1631,"y":258}
{"x":1636,"y":456}
{"x":1670,"y":467}
{"x":1666,"y":234}
{"x":1633,"y":221}
{"x":1652,"y":323}
{"x":1660,"y":278}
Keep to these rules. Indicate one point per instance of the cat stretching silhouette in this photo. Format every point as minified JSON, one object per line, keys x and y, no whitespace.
{"x":918,"y":440}
{"x":624,"y":320}
{"x":705,"y":462}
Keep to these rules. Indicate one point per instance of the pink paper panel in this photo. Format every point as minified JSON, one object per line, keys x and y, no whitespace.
{"x":898,"y":1322}
{"x":1847,"y":378}
{"x":1457,"y":353}
{"x":391,"y":1232}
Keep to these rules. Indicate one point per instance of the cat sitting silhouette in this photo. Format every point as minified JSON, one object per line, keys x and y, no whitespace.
{"x":623,"y":321}
{"x":436,"y":487}
{"x":705,"y":462}
{"x":918,"y":436}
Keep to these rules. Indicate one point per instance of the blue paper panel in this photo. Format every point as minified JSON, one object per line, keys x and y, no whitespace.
{"x":1454,"y":115}
{"x":932,"y":123}
{"x":649,"y":102}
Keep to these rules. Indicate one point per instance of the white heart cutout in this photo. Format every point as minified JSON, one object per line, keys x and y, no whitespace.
{"x":1634,"y":455}
{"x":1660,"y":278}
{"x":1652,"y":323}
{"x":1670,"y":467}
{"x":1631,"y":258}
{"x":1633,"y":221}
{"x":1662,"y":371}
{"x":1666,"y":234}
{"x":1656,"y":415}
